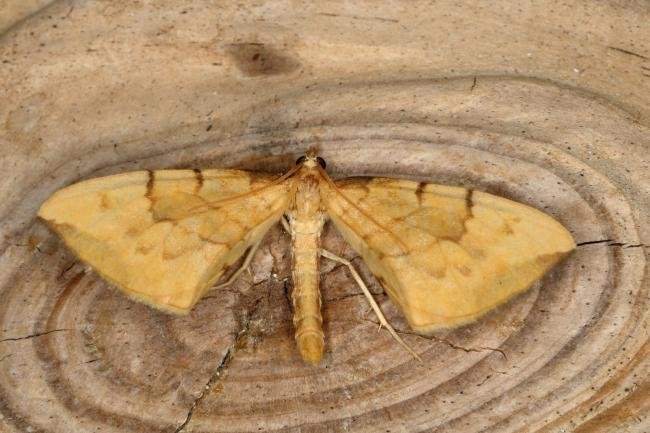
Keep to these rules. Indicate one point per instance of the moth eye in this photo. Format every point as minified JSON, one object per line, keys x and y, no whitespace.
{"x":321,"y":161}
{"x":301,"y":160}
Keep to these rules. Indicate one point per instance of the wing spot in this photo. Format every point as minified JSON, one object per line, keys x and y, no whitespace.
{"x":466,"y":271}
{"x":169,"y":256}
{"x":419,"y":191}
{"x":135,"y":231}
{"x":104,"y":202}
{"x":438,"y":273}
{"x":469,"y":203}
{"x":199,"y":180}
{"x":149,"y":194}
{"x":159,"y":219}
{"x":143,"y":249}
{"x":150,"y":181}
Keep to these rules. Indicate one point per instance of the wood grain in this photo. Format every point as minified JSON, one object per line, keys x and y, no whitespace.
{"x":544,"y":103}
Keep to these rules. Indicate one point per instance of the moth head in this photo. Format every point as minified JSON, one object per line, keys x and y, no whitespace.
{"x":311,"y":161}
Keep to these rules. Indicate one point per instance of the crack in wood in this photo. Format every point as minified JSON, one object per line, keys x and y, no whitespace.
{"x":628,"y":52}
{"x":38,"y":334}
{"x":357,"y":17}
{"x":351,"y":295}
{"x":342,"y":297}
{"x":66,"y":269}
{"x":611,"y":243}
{"x":32,"y":247}
{"x":223,"y":365}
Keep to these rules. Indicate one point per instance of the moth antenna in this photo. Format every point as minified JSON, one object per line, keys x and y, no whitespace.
{"x":312,"y":151}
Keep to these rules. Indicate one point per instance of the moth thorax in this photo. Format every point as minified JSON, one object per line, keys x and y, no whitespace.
{"x":307,"y":199}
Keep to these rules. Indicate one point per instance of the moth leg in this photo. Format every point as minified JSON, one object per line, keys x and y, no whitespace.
{"x":371,"y":300}
{"x":247,"y":262}
{"x":285,"y":224}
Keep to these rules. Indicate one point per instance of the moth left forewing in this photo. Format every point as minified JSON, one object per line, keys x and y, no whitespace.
{"x":445,"y":255}
{"x":164,"y":237}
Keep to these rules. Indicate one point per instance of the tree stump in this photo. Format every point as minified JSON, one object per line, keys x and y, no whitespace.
{"x":545,"y":103}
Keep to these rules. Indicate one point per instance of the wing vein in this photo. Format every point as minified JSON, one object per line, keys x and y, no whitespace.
{"x":402,"y":245}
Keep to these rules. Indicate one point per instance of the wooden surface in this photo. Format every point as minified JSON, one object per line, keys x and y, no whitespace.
{"x":546,"y":103}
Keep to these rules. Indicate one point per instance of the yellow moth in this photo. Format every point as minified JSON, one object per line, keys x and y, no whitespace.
{"x":444,"y":255}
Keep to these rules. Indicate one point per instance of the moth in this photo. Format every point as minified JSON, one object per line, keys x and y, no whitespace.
{"x":445,"y":255}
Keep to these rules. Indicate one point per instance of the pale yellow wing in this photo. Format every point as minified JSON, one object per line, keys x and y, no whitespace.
{"x":164,"y":237}
{"x":445,"y":255}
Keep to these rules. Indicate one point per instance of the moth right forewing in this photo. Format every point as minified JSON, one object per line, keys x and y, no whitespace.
{"x":445,"y":255}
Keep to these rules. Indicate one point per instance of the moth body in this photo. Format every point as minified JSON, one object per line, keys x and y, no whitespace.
{"x":306,"y":219}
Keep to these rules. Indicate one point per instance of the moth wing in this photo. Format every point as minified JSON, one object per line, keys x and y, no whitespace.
{"x":445,"y":255}
{"x":164,"y":237}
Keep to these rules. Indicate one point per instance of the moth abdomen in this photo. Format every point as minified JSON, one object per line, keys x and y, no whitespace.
{"x":306,"y":222}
